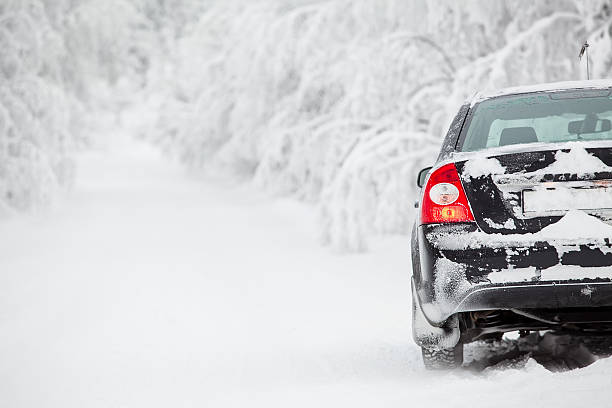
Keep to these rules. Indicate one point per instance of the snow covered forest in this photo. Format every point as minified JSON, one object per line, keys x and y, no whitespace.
{"x":335,"y":102}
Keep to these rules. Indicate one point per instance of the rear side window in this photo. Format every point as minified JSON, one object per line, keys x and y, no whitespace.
{"x":549,"y":117}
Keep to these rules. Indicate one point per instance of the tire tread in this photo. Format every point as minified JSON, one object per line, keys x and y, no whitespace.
{"x":444,"y":359}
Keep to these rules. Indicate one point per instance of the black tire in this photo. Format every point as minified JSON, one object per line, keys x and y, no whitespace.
{"x":445,"y":359}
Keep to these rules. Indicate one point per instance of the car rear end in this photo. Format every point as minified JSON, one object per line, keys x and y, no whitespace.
{"x":515,"y":224}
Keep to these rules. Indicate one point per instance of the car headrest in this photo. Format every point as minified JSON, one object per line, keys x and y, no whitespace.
{"x":516,"y":135}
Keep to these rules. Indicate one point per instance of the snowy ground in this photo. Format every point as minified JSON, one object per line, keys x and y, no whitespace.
{"x":151,"y":289}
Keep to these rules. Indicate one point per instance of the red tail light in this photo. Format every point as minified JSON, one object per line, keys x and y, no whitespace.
{"x":444,"y":200}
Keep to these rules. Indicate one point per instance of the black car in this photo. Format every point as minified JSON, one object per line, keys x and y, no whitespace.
{"x":514,"y":230}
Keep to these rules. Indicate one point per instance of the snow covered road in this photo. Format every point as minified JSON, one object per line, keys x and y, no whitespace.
{"x":151,"y":289}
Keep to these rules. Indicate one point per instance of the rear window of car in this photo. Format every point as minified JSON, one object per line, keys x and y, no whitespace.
{"x":543,"y":117}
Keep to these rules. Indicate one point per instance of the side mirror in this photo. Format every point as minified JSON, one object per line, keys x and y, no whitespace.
{"x":422,"y":177}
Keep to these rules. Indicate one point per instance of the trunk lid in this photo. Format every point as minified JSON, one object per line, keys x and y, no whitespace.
{"x":523,"y":191}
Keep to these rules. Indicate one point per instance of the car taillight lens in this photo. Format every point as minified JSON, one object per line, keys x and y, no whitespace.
{"x":444,"y":200}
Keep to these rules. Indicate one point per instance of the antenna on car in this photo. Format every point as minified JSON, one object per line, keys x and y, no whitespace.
{"x":583,"y":50}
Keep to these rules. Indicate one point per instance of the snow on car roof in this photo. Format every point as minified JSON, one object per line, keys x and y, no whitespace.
{"x":548,"y":87}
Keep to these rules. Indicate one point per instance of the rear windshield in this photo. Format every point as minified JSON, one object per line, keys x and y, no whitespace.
{"x":539,"y":117}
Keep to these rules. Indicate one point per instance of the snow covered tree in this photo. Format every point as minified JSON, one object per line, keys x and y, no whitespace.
{"x":340,"y":102}
{"x":337,"y":102}
{"x":35,"y":138}
{"x":56,"y":58}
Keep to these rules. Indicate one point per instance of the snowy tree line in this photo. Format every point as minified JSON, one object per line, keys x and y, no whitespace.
{"x":336,"y":102}
{"x":34,"y":120}
{"x":63,"y":65}
{"x":341,"y":102}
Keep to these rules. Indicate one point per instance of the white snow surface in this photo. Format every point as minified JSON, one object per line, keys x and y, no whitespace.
{"x":577,"y":224}
{"x":543,"y":87}
{"x":554,"y":273}
{"x":573,"y":228}
{"x":577,"y":160}
{"x":150,"y":288}
{"x":481,"y":166}
{"x":509,"y":224}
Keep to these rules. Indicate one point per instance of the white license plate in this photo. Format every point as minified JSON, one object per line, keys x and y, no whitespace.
{"x":564,"y":199}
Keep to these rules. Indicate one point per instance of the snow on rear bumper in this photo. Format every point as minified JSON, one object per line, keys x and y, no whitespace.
{"x":459,"y":274}
{"x":483,"y":253}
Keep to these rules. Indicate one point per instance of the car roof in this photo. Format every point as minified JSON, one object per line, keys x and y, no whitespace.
{"x":548,"y":87}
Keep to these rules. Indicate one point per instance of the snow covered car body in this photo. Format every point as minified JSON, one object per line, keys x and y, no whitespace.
{"x":515,"y":226}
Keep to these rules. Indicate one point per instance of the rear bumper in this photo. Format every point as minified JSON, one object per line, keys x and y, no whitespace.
{"x":540,"y":295}
{"x":455,"y":276}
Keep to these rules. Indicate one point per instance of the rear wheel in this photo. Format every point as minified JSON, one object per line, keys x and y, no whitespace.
{"x":444,"y":359}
